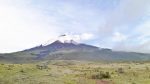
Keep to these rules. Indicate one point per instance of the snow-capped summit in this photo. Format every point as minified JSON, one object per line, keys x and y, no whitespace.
{"x":63,"y":39}
{"x":67,"y":39}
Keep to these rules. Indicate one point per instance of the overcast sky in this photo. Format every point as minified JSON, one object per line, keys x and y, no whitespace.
{"x":116,"y":24}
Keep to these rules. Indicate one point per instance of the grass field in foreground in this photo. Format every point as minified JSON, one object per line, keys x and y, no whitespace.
{"x":75,"y":72}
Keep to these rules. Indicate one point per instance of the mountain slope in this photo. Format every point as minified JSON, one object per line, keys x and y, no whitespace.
{"x":72,"y":51}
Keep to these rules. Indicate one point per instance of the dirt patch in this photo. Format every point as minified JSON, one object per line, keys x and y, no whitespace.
{"x":103,"y":82}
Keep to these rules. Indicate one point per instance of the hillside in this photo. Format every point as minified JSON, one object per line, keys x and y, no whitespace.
{"x":72,"y":51}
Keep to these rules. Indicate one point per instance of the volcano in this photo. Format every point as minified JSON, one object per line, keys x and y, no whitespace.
{"x":72,"y":50}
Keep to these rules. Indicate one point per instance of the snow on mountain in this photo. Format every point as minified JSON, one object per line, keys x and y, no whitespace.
{"x":64,"y":39}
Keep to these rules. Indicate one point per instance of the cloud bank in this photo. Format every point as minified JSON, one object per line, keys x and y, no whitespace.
{"x":124,"y":26}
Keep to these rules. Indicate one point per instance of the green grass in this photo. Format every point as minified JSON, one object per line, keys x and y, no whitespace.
{"x":74,"y":72}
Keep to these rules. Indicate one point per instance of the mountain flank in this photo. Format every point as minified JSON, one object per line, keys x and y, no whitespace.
{"x":71,"y":50}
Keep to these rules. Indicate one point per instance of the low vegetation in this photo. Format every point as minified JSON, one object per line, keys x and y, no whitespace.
{"x":75,"y":72}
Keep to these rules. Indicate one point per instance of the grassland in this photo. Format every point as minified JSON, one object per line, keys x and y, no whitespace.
{"x":75,"y":72}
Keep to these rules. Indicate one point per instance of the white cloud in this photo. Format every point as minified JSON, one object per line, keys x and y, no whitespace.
{"x":131,"y":14}
{"x":143,"y":30}
{"x":126,"y":13}
{"x":86,"y":36}
{"x":77,"y":37}
{"x":22,"y":27}
{"x":139,"y":42}
{"x":144,"y":38}
{"x":118,"y":37}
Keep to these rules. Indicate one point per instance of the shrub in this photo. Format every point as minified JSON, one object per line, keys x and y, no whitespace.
{"x":44,"y":66}
{"x":9,"y":67}
{"x":120,"y":70}
{"x":133,"y":83}
{"x":147,"y":68}
{"x":129,"y":67}
{"x":101,"y":75}
{"x":22,"y":71}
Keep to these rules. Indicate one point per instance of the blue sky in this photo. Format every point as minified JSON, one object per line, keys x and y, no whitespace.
{"x":116,"y":24}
